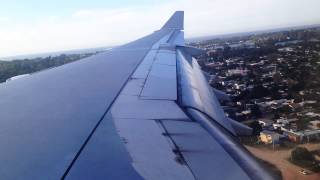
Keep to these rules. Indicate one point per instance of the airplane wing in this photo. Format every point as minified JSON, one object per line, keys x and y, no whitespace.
{"x":143,"y":110}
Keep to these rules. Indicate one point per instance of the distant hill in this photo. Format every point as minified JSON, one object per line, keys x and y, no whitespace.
{"x":203,"y":38}
{"x":53,"y":54}
{"x":14,"y":68}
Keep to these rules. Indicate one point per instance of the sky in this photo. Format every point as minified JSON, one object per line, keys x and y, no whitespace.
{"x":36,"y":26}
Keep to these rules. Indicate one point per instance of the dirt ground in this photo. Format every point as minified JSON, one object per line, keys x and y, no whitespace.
{"x":279,"y":159}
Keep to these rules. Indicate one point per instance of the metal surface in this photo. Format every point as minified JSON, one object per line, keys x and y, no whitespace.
{"x":240,"y":129}
{"x":166,"y":57}
{"x":205,"y":156}
{"x":133,"y":87}
{"x":126,"y":110}
{"x":192,"y":51}
{"x":175,"y":22}
{"x":161,"y":83}
{"x":144,"y":68}
{"x":177,"y":38}
{"x":242,"y":156}
{"x":127,"y":106}
{"x":222,"y":96}
{"x":136,"y":115}
{"x":151,"y":153}
{"x":47,"y":117}
{"x":195,"y":91}
{"x":104,"y":157}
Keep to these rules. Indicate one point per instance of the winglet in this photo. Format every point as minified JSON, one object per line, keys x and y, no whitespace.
{"x":175,"y":22}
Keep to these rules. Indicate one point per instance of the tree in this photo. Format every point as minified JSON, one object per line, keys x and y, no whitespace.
{"x":301,"y":154}
{"x":255,"y":111}
{"x":12,"y":68}
{"x":256,"y":128}
{"x":259,"y":92}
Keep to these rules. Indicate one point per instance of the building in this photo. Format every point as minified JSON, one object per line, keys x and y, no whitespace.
{"x":265,"y":122}
{"x":303,"y":136}
{"x":314,"y":124}
{"x":269,"y":137}
{"x":293,"y":136}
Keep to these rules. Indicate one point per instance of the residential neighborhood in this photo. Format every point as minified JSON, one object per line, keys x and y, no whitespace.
{"x":273,"y":81}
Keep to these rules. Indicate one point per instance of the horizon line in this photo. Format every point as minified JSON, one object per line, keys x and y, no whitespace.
{"x":188,"y":39}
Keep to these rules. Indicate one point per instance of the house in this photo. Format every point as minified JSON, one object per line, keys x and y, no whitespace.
{"x":310,"y":135}
{"x":278,"y":126}
{"x":295,"y":106}
{"x":284,"y":43}
{"x":286,"y":49}
{"x":269,"y":137}
{"x":314,"y":124}
{"x":265,"y":122}
{"x":312,"y":114}
{"x":303,"y":136}
{"x":294,"y":136}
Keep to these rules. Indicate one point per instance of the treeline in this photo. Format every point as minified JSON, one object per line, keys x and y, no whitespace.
{"x":13,"y":68}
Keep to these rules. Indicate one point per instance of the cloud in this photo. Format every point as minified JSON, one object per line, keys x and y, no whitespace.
{"x":103,"y":27}
{"x":4,"y":19}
